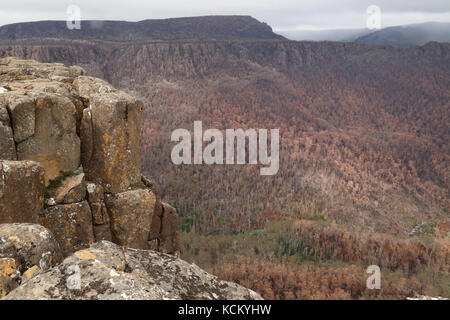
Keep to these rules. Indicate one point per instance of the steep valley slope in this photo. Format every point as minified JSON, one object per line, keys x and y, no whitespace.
{"x":364,"y":133}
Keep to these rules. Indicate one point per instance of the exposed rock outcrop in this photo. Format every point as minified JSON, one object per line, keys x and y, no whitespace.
{"x":44,"y":129}
{"x":131,"y":214}
{"x":7,"y":146}
{"x":9,"y":275}
{"x":78,"y":141}
{"x":42,"y":116}
{"x":71,"y":224}
{"x":21,"y":191}
{"x":25,"y":251}
{"x":100,"y":216}
{"x":33,"y":244}
{"x":111,"y":135}
{"x":107,"y":271}
{"x":168,"y":237}
{"x":85,"y":137}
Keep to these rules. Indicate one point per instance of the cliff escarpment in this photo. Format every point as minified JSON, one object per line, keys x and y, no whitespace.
{"x":363,"y":128}
{"x":70,"y":176}
{"x":200,"y":28}
{"x":75,"y":141}
{"x":364,"y":159}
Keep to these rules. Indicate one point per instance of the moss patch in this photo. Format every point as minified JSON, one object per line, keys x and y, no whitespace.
{"x":54,"y":184}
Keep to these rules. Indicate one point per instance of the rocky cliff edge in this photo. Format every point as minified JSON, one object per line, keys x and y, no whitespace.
{"x":70,"y":176}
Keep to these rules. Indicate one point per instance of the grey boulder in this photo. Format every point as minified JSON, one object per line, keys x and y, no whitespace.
{"x":106,"y":271}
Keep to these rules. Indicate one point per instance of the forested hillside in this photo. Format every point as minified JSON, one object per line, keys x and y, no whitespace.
{"x":364,"y":150}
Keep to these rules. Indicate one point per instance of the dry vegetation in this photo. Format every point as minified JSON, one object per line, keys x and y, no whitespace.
{"x":364,"y":157}
{"x":331,"y":243}
{"x":276,"y":281}
{"x":364,"y":161}
{"x":364,"y":139}
{"x":306,"y":259}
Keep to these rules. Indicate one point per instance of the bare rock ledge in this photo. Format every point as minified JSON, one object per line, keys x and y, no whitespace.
{"x":107,"y":271}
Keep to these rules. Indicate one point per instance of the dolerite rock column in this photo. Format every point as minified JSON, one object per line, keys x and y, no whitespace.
{"x":84,"y":136}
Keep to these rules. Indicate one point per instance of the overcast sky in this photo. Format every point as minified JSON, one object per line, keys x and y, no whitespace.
{"x":282,"y":15}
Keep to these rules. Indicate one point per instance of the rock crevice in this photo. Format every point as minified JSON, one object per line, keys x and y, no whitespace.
{"x":76,"y":145}
{"x":70,"y":160}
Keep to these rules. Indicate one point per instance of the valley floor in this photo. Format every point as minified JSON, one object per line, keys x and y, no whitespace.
{"x":306,"y":259}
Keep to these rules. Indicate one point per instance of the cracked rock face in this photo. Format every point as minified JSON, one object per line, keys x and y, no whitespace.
{"x":25,"y":251}
{"x":57,"y":116}
{"x":7,"y":146}
{"x":33,"y":244}
{"x":131,"y":214}
{"x":107,"y":271}
{"x":111,"y":140}
{"x":70,"y":160}
{"x":71,"y":224}
{"x":21,"y":191}
{"x":42,"y":115}
{"x":44,"y":129}
{"x":86,"y":136}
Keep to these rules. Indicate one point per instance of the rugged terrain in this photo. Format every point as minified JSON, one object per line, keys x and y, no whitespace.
{"x":106,"y":271}
{"x":364,"y":152}
{"x":356,"y":140}
{"x":70,"y":175}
